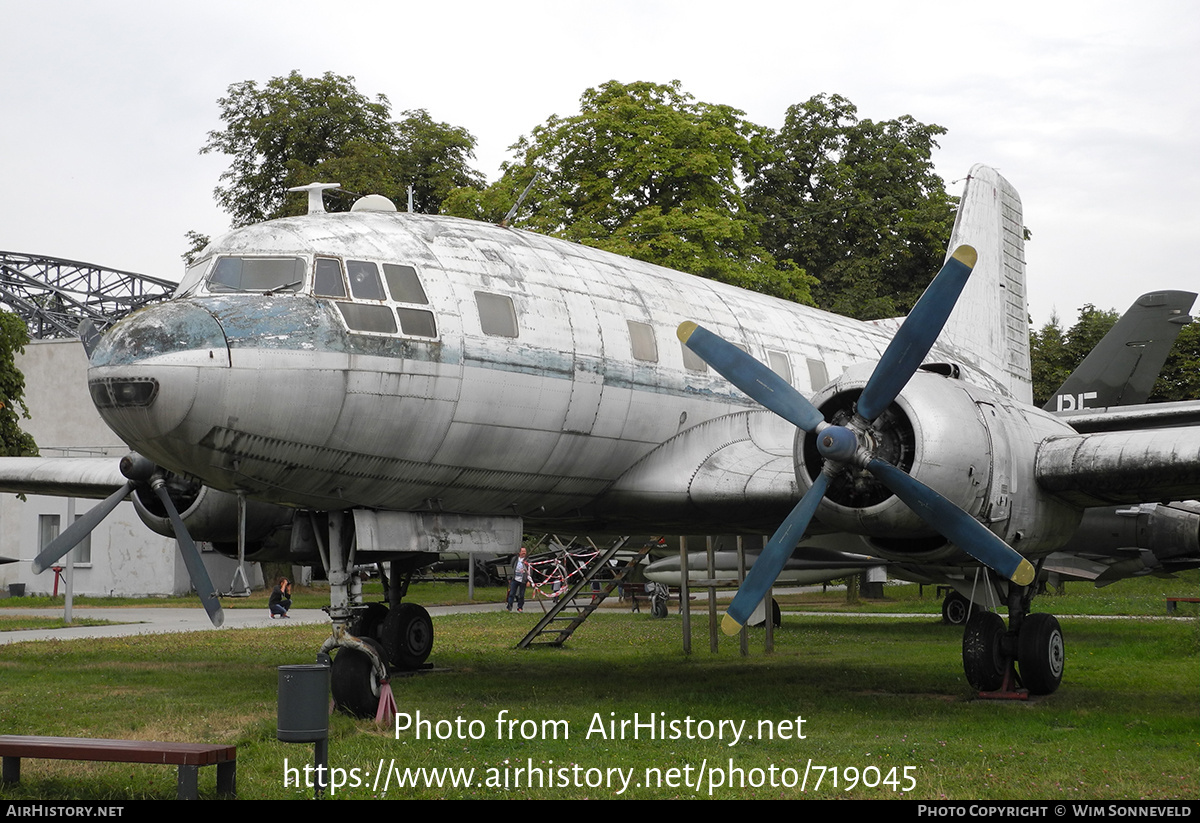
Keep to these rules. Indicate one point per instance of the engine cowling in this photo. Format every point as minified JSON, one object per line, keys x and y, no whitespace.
{"x":212,"y":516}
{"x":973,"y":447}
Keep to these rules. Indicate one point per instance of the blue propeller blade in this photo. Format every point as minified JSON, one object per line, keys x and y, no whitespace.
{"x":751,"y":376}
{"x":78,"y":530}
{"x":191,"y":559}
{"x":954,"y":524}
{"x":771,"y":562}
{"x":917,"y":334}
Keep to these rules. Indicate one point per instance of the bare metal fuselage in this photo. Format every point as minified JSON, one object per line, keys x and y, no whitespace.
{"x":571,"y":421}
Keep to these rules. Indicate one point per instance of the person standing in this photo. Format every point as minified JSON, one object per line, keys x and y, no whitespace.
{"x":516,"y":586}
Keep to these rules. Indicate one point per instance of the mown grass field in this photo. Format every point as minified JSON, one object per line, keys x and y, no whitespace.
{"x":875,"y":693}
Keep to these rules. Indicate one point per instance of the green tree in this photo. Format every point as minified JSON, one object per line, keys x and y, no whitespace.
{"x":1054,"y":353}
{"x":1180,"y":376}
{"x":855,"y":203}
{"x":646,"y":171}
{"x":13,"y":441}
{"x":294,"y":130}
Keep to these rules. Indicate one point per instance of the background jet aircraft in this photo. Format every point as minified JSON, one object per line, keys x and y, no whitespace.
{"x":373,"y":386}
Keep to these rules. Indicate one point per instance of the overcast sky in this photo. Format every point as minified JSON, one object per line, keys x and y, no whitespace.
{"x":1089,"y":109}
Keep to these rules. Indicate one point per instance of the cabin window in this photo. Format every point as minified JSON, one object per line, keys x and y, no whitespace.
{"x":691,"y":360}
{"x":818,"y":377}
{"x":368,"y":318}
{"x":641,"y":338}
{"x":403,"y":283}
{"x":327,"y":278}
{"x":416,"y":322}
{"x":497,"y":316}
{"x":779,"y":363}
{"x":257,"y":274}
{"x":364,"y":280}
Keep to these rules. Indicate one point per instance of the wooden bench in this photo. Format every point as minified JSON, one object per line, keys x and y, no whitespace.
{"x":189,"y":757}
{"x":1173,"y":601}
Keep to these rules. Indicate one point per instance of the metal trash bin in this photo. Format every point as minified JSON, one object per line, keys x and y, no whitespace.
{"x":303,"y":703}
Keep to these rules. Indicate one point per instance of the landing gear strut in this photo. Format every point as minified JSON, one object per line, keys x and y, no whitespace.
{"x":371,"y":639}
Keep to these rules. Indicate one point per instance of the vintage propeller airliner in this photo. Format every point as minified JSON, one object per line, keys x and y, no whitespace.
{"x":349,"y":389}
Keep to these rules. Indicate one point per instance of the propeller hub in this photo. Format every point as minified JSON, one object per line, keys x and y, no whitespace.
{"x":837,"y":443}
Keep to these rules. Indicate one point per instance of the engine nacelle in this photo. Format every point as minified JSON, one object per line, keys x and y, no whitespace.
{"x":973,"y":447}
{"x":212,"y":516}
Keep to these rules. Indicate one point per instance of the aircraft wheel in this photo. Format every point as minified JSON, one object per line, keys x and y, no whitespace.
{"x":408,"y":636}
{"x":983,"y":657}
{"x":369,"y":621}
{"x":776,"y":614}
{"x":658,"y":607}
{"x":354,"y":683}
{"x":955,"y":608}
{"x":1041,"y":653}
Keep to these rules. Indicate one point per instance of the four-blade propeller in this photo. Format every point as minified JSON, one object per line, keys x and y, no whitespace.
{"x":842,"y":445}
{"x":140,"y":473}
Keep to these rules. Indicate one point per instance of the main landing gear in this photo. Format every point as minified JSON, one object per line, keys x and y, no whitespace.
{"x":372,"y":640}
{"x":1029,"y":653}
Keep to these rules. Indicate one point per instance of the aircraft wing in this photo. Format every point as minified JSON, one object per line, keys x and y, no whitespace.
{"x":1105,"y":468}
{"x":95,"y":477}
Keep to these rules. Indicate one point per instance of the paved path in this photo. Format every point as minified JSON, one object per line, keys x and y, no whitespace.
{"x":163,"y":621}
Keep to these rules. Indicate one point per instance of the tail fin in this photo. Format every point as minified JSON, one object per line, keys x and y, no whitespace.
{"x":989,"y":328}
{"x":1121,"y":370}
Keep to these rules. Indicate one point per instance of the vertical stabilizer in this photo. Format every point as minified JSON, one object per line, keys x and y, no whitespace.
{"x":989,"y":327}
{"x":1122,"y":369}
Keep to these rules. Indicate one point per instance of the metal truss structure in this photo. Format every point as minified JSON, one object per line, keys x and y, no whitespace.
{"x":54,"y":296}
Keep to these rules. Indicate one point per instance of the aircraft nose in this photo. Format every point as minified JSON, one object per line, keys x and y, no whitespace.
{"x":144,"y":372}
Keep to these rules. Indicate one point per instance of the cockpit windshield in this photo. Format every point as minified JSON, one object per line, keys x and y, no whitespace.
{"x":257,"y":274}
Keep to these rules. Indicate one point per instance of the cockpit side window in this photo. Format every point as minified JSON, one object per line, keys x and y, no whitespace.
{"x":327,"y":278}
{"x":192,"y":277}
{"x":364,"y":280}
{"x":256,"y":274}
{"x":404,"y":284}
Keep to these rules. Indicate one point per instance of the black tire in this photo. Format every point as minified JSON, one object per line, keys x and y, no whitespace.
{"x":983,"y":655}
{"x":1041,"y":653}
{"x":407,"y":636}
{"x":354,"y":684}
{"x":955,"y":609}
{"x":369,"y":621}
{"x":658,"y":608}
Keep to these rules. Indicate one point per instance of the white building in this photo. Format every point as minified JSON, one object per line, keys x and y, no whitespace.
{"x":122,"y":556}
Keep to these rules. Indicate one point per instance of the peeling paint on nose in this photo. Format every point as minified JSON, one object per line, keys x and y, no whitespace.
{"x":163,"y":347}
{"x":178,"y":332}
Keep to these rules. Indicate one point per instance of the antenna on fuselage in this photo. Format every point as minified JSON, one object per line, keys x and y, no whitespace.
{"x":520,"y":200}
{"x":316,"y":202}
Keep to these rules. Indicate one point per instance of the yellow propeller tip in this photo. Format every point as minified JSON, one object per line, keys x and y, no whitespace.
{"x":1024,"y":574}
{"x":729,"y":625}
{"x":685,"y":330}
{"x":966,"y":255}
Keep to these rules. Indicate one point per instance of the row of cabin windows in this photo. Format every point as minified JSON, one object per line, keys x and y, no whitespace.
{"x":497,"y":314}
{"x":645,"y":348}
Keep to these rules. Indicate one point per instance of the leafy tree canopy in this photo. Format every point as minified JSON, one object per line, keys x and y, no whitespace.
{"x":855,"y":203}
{"x":294,"y":130}
{"x":13,"y":441}
{"x":646,"y":171}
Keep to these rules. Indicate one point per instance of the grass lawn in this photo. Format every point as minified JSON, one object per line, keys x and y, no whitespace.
{"x":878,"y":696}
